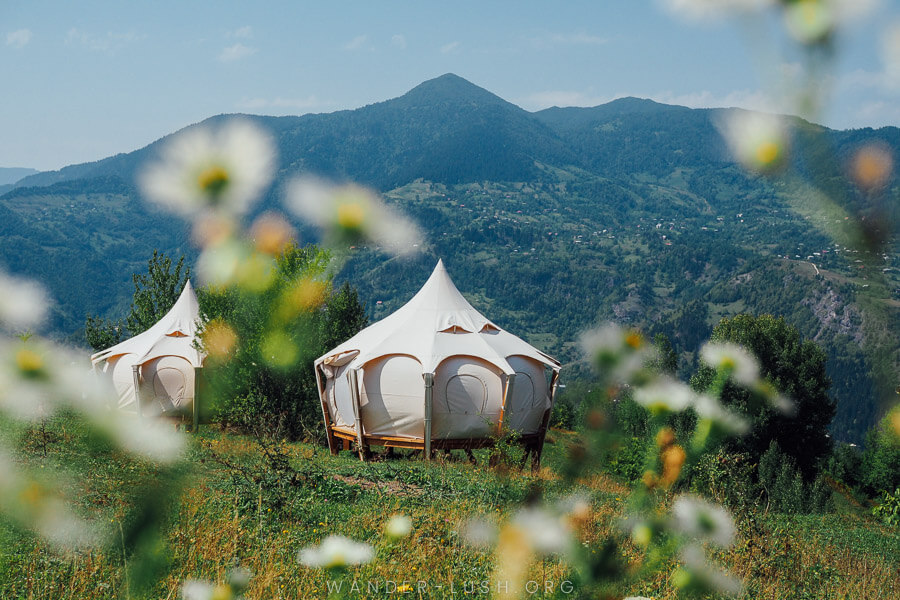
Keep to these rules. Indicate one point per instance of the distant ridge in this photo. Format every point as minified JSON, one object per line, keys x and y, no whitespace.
{"x":10,"y":175}
{"x":450,"y":130}
{"x":450,"y":89}
{"x":571,"y":117}
{"x":561,"y":218}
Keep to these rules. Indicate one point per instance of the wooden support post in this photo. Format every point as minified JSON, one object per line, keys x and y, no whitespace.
{"x":507,"y":396}
{"x":329,"y":434}
{"x":354,"y":393}
{"x":429,"y":404}
{"x":545,"y":423}
{"x":195,"y":405}
{"x":136,"y":377}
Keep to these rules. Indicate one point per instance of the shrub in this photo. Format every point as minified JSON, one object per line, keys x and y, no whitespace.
{"x":889,"y":509}
{"x":629,"y":459}
{"x":881,"y":460}
{"x":726,"y":478}
{"x":563,"y":415}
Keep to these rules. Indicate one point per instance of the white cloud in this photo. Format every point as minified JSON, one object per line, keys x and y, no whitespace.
{"x":19,"y":38}
{"x":853,"y":10}
{"x":890,"y":53}
{"x":876,"y":113}
{"x":356,"y":43}
{"x":860,"y":78}
{"x":110,"y":42}
{"x":306,"y":104}
{"x":398,"y":41}
{"x":749,"y":99}
{"x":236,"y":52}
{"x":245,"y":32}
{"x":451,"y":47}
{"x":712,"y":9}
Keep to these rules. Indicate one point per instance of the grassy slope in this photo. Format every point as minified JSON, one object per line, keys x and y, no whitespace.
{"x":222,"y":519}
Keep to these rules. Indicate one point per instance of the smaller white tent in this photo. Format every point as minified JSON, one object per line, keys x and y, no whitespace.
{"x":435,"y":374}
{"x":159,"y":364}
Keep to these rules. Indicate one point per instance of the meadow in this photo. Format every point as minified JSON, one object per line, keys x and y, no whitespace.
{"x":240,"y":503}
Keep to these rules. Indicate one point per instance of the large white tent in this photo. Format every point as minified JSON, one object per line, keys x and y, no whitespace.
{"x":435,"y":374}
{"x":154,"y":372}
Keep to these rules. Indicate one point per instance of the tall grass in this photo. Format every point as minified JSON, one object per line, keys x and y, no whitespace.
{"x":230,"y":515}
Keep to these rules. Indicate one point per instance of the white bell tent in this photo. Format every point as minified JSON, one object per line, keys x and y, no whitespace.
{"x":154,"y":372}
{"x":435,"y":374}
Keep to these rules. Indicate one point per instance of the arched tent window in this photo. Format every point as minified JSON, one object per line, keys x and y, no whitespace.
{"x":468,"y":393}
{"x":392,"y":397}
{"x":167,"y":386}
{"x":465,"y":394}
{"x":530,"y":397}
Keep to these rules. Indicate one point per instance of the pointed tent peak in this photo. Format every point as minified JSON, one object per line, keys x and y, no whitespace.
{"x":426,"y":329}
{"x":187,"y":292}
{"x":180,"y":322}
{"x":439,"y":271}
{"x":452,"y":312}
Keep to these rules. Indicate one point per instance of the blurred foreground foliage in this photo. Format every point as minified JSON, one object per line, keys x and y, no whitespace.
{"x":261,"y":344}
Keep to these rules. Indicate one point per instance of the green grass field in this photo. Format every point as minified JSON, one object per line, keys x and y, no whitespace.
{"x":232,"y":510}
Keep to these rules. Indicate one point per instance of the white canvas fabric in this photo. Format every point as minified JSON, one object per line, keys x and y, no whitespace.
{"x":471,"y":358}
{"x":166,"y":356}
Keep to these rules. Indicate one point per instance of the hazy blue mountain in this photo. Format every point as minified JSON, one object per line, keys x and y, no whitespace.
{"x":9,"y":175}
{"x":550,"y":222}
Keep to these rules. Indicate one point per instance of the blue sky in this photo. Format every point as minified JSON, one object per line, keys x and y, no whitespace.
{"x":85,"y":80}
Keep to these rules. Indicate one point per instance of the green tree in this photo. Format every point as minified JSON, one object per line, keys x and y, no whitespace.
{"x":667,"y":360}
{"x":102,"y":333}
{"x":156,"y":291}
{"x":881,"y":459}
{"x":796,"y":367}
{"x":344,"y":316}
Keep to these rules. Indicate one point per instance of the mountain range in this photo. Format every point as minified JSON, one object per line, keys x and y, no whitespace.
{"x":549,"y":221}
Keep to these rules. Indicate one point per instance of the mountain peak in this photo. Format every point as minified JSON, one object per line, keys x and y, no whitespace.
{"x":450,"y":88}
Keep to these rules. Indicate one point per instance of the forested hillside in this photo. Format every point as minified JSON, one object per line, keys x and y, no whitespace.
{"x":549,"y":222}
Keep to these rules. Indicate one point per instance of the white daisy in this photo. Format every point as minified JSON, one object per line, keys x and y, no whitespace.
{"x":702,"y":520}
{"x":193,"y":589}
{"x":617,"y":353}
{"x":224,"y":169}
{"x":23,"y":303}
{"x":221,"y":264}
{"x":352,"y":214}
{"x":336,"y":552}
{"x":398,"y":526}
{"x":664,"y":395}
{"x":810,"y":21}
{"x":547,"y":533}
{"x":150,"y":438}
{"x":479,"y":532}
{"x":758,"y":141}
{"x":711,"y":409}
{"x":698,"y":573}
{"x":740,"y":364}
{"x":776,"y":399}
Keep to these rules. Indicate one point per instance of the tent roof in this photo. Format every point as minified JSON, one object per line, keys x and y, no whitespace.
{"x":438,"y":322}
{"x":172,"y":335}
